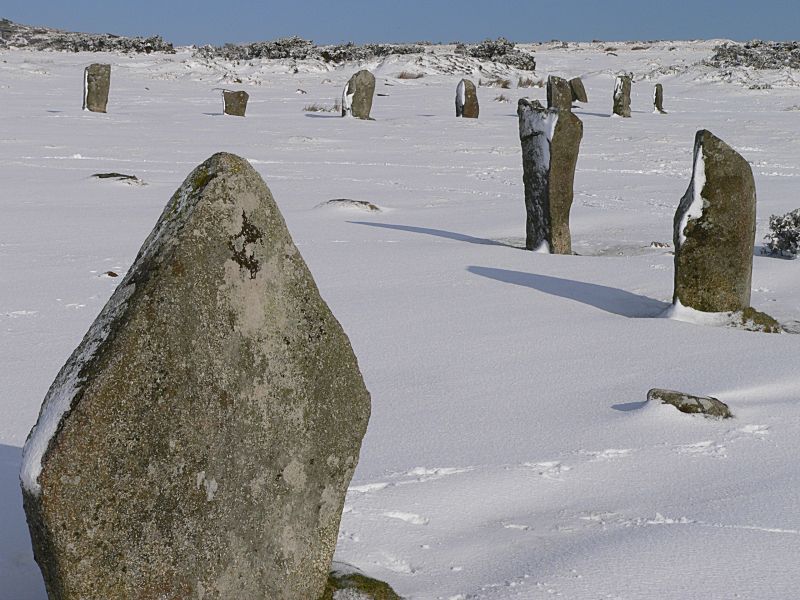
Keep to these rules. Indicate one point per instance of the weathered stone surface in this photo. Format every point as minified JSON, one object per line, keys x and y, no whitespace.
{"x":559,"y":93}
{"x":714,"y":230}
{"x":551,"y":139}
{"x":235,"y":103}
{"x":348,"y":583}
{"x":578,"y":91}
{"x":688,"y":403}
{"x":467,"y":100}
{"x":200,"y":440}
{"x":96,"y":84}
{"x":622,"y":96}
{"x":357,"y":95}
{"x":658,"y":99}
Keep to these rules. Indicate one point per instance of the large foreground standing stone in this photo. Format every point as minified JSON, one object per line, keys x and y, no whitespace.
{"x":96,"y":84}
{"x":622,"y":96}
{"x":466,"y":100}
{"x":200,"y":440}
{"x":714,"y":230}
{"x":234,"y":103}
{"x":550,"y":140}
{"x":357,"y":95}
{"x":578,"y":91}
{"x":559,"y":93}
{"x":658,"y":99}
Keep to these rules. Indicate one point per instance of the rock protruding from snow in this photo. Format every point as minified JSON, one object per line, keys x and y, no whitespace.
{"x":96,"y":85}
{"x":349,"y":583}
{"x":200,"y":440}
{"x":714,"y":230}
{"x":688,"y":403}
{"x":578,"y":91}
{"x":551,"y":139}
{"x":622,"y":96}
{"x":658,"y":99}
{"x":559,"y":93}
{"x":466,"y":100}
{"x":357,"y":95}
{"x":234,"y":103}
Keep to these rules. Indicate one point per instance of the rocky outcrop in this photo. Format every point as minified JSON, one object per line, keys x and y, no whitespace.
{"x":622,"y":96}
{"x":235,"y":103}
{"x":500,"y":51}
{"x":757,"y":54}
{"x":578,"y":91}
{"x":688,"y":403}
{"x":467,"y":100}
{"x":96,"y":85}
{"x":550,"y":140}
{"x":658,"y":99}
{"x":200,"y":440}
{"x":714,"y":230}
{"x":357,"y":95}
{"x":559,"y":93}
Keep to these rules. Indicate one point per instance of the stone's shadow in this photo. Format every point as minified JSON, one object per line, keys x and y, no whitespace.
{"x":612,"y":300}
{"x":19,"y":576}
{"x":215,"y":114}
{"x":316,"y":116}
{"x":450,"y":235}
{"x":592,"y":114}
{"x":629,"y":406}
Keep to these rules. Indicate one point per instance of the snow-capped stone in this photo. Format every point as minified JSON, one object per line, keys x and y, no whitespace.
{"x":357,"y":95}
{"x":622,"y":96}
{"x":200,"y":440}
{"x":578,"y":91}
{"x":96,"y":85}
{"x":714,"y":230}
{"x":550,"y":140}
{"x":234,"y":103}
{"x":466,"y":99}
{"x":658,"y":99}
{"x":691,"y":404}
{"x":559,"y":93}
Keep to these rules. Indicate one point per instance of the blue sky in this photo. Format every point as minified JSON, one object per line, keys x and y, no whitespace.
{"x":328,"y":21}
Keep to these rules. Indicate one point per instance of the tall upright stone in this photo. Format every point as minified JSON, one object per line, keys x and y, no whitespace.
{"x":578,"y":91}
{"x":234,"y":103}
{"x":559,"y":93}
{"x":96,"y":85}
{"x":622,"y":96}
{"x":551,"y":139}
{"x":658,"y":99}
{"x":200,"y":440}
{"x":714,"y":230}
{"x":357,"y":95}
{"x":466,"y":100}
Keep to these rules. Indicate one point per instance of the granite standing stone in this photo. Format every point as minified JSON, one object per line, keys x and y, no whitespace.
{"x":550,"y":140}
{"x":658,"y":99}
{"x":200,"y":440}
{"x":622,"y":96}
{"x":96,"y":85}
{"x":357,"y":95}
{"x":578,"y":91}
{"x":235,"y":103}
{"x":714,"y":230}
{"x":466,"y":100}
{"x":559,"y":93}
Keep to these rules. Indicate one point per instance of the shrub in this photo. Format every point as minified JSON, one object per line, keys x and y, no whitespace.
{"x":783,"y":238}
{"x":410,"y":75}
{"x":316,"y":107}
{"x":527,"y":82}
{"x":498,"y":82}
{"x":502,"y":98}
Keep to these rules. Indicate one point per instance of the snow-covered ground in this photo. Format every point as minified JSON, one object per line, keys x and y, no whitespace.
{"x":510,"y":453}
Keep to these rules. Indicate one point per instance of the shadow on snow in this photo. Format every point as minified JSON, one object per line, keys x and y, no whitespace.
{"x":450,"y":235}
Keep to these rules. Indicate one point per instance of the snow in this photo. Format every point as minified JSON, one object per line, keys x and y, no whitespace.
{"x":694,"y":210}
{"x":461,"y":93}
{"x":511,"y":453}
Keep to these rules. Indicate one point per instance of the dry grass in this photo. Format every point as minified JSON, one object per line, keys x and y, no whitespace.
{"x":317,"y":107}
{"x":527,"y":82}
{"x":502,"y":98}
{"x":410,"y":75}
{"x":497,"y":82}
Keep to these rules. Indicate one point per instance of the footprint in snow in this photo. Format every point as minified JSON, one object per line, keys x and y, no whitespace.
{"x":608,"y":454}
{"x":412,"y":518}
{"x":548,"y":469}
{"x":704,"y":448}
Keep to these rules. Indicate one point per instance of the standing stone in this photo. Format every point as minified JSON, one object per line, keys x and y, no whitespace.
{"x":200,"y":440}
{"x":357,"y":95}
{"x":551,"y":139}
{"x":578,"y":91}
{"x":714,"y":230}
{"x":96,"y":84}
{"x":235,"y":103}
{"x":466,"y":100}
{"x":658,"y":99}
{"x":622,"y":96}
{"x":559,"y":93}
